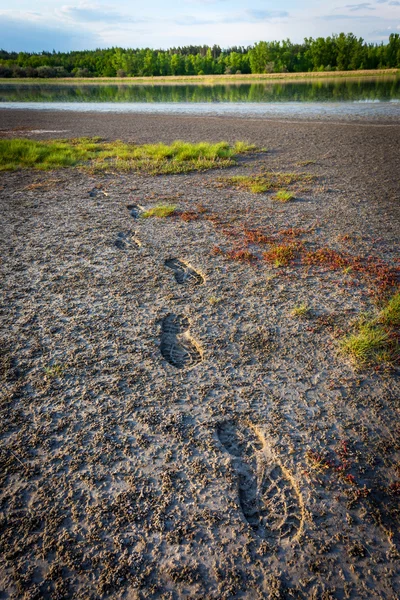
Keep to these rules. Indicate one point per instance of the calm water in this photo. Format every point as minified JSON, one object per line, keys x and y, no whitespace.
{"x":352,"y":97}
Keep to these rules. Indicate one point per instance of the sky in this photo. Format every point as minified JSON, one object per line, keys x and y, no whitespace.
{"x":38,"y":25}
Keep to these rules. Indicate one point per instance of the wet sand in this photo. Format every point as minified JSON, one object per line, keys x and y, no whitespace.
{"x":168,"y":428}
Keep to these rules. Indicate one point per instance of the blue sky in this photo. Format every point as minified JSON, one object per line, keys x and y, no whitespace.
{"x":49,"y":24}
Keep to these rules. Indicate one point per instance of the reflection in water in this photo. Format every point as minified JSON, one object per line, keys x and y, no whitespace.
{"x":340,"y":90}
{"x":389,"y":111}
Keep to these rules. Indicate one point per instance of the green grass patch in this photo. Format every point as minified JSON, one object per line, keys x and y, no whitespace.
{"x":283,"y":196}
{"x":389,"y":316}
{"x":266,"y":182}
{"x":375,"y":340}
{"x":95,"y":154}
{"x":160,"y":211}
{"x":302,"y":310}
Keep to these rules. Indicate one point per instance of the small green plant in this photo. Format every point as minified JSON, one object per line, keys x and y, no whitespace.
{"x":160,"y":211}
{"x":390,"y":314}
{"x":283,"y":196}
{"x":367,"y":344}
{"x":54,"y":371}
{"x":213,"y":300}
{"x":259,"y":188}
{"x":375,"y":340}
{"x":302,"y":310}
{"x":268,"y":181}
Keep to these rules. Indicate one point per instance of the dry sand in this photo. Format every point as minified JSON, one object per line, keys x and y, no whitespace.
{"x":170,"y":430}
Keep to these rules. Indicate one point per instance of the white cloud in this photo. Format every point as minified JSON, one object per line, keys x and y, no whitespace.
{"x":95,"y":13}
{"x":35,"y":35}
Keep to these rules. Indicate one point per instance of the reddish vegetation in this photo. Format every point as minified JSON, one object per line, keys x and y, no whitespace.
{"x":384,"y":276}
{"x":256,"y":236}
{"x":238,"y":254}
{"x":282,"y":254}
{"x":326,"y":256}
{"x":241,"y":254}
{"x":189,"y":216}
{"x":320,"y":462}
{"x":292,"y":232}
{"x":282,"y":251}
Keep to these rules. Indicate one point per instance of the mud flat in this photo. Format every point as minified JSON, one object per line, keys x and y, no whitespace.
{"x":170,"y":428}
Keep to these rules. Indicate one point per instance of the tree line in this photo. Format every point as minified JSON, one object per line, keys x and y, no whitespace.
{"x":340,"y":52}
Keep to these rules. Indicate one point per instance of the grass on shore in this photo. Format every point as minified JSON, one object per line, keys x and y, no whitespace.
{"x":376,"y":340}
{"x":268,"y":182}
{"x":201,"y":79}
{"x":160,"y":211}
{"x":283,"y":196}
{"x":93,"y":153}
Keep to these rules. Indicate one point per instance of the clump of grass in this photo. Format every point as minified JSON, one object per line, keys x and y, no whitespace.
{"x":22,"y":153}
{"x":281,"y":255}
{"x":93,"y":153}
{"x":54,"y":371}
{"x":283,"y":196}
{"x":302,"y":310}
{"x":244,"y":147}
{"x":375,"y":340}
{"x":268,"y":181}
{"x":213,"y":300}
{"x":259,"y":188}
{"x":390,"y":314}
{"x":160,"y":211}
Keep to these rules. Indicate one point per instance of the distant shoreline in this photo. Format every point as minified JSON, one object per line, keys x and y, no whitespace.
{"x":202,"y":79}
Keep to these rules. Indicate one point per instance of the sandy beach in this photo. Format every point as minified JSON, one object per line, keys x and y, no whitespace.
{"x":170,"y":428}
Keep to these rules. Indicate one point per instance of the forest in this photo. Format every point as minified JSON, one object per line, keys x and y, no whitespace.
{"x":339,"y":52}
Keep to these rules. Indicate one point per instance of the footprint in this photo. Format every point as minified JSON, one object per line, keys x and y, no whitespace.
{"x":176,"y":346}
{"x":123,"y":241}
{"x":269,"y":497}
{"x":183,"y":273}
{"x":134,"y":209}
{"x":97,"y":190}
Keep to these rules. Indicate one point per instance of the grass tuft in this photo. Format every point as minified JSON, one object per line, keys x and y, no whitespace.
{"x":281,"y":255}
{"x":95,"y":154}
{"x":160,"y":211}
{"x":376,"y":340}
{"x":268,"y":181}
{"x":283,"y":196}
{"x":303,"y":310}
{"x":390,"y":314}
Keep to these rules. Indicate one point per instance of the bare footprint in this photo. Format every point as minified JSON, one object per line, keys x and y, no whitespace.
{"x":183,"y":272}
{"x":134,"y":210}
{"x":269,"y":497}
{"x":176,"y":345}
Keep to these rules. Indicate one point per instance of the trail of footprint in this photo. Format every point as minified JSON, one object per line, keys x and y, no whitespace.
{"x":183,"y":272}
{"x":123,"y":241}
{"x":176,"y":345}
{"x":134,"y":210}
{"x":269,"y":497}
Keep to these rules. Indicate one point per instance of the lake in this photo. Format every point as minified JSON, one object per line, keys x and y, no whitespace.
{"x":352,"y":97}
